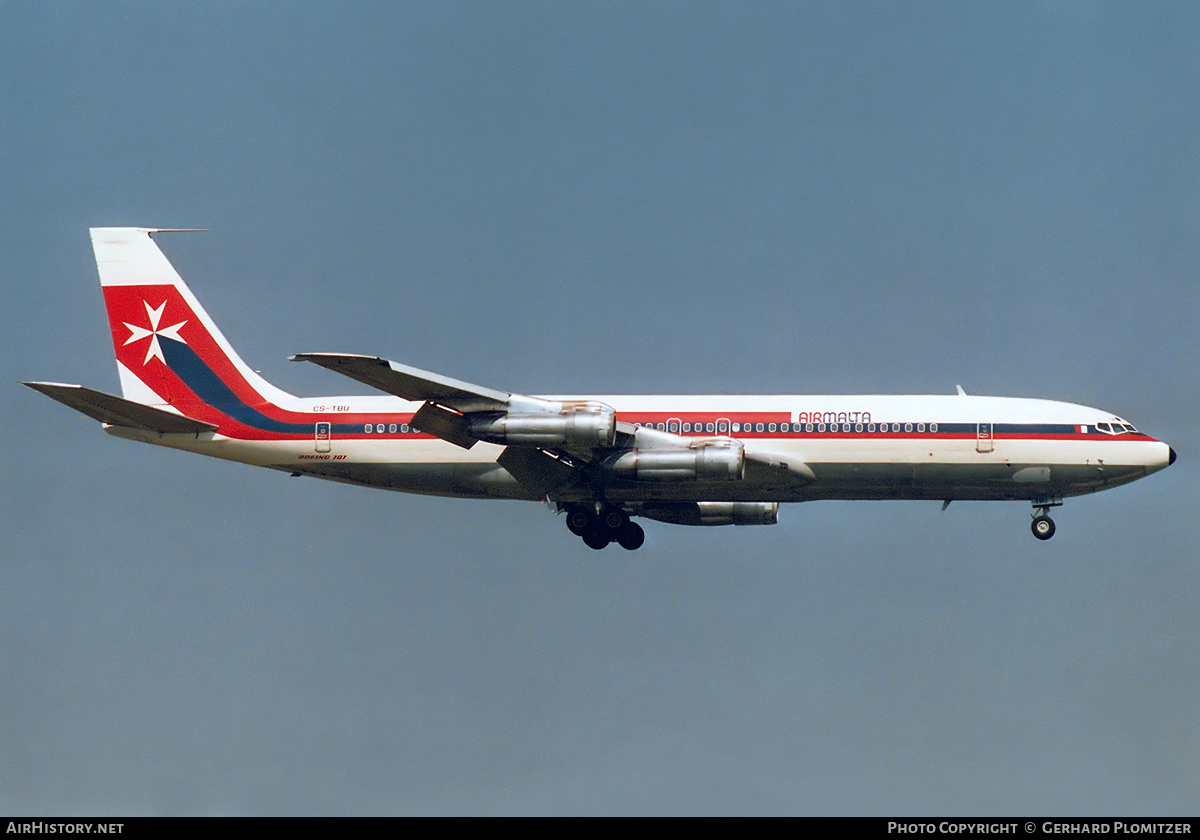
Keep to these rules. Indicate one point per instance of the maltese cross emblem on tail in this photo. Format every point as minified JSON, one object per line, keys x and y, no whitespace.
{"x":138,"y":333}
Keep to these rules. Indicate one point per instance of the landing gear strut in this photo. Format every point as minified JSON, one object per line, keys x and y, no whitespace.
{"x":600,"y":527}
{"x":1042,"y":525}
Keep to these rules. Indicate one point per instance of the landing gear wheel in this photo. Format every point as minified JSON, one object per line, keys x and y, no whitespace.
{"x":614,"y":519}
{"x":631,"y":536}
{"x":1042,"y":527}
{"x":597,"y":538}
{"x":580,"y":520}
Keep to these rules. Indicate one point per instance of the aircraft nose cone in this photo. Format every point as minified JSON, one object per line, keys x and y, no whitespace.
{"x":1171,"y":456}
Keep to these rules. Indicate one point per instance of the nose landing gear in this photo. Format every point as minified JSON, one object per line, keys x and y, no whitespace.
{"x":1042,"y":525}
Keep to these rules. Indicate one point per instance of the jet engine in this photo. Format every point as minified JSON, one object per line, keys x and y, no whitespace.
{"x":716,"y":460}
{"x":595,"y":426}
{"x":711,"y":513}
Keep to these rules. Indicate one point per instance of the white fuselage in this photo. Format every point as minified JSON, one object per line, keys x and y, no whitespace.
{"x":857,"y":447}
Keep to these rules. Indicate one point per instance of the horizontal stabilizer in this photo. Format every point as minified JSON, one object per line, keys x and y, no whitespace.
{"x":119,"y":412}
{"x":410,"y":383}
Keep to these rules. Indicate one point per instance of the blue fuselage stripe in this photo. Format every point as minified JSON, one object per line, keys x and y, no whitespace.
{"x":205,"y":384}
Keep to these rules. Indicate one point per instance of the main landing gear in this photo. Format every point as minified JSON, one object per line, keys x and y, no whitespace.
{"x":1042,"y":525}
{"x":600,"y":527}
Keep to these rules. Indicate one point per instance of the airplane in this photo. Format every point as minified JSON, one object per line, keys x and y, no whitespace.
{"x":600,"y":460}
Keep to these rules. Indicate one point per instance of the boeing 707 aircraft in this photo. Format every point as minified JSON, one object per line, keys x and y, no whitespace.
{"x":601,"y":460}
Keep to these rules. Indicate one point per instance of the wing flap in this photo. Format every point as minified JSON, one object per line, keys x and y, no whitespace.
{"x":770,"y":468}
{"x":537,"y":469}
{"x":116,"y":411}
{"x":450,"y":426}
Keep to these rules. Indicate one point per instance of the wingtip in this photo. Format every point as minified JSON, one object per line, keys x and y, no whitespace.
{"x":50,"y":386}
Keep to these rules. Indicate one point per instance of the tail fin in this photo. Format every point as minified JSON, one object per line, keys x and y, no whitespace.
{"x":169,"y":352}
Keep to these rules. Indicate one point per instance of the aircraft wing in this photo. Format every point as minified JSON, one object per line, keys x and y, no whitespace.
{"x":551,"y":444}
{"x":115,"y":411}
{"x":410,"y":383}
{"x":449,"y":403}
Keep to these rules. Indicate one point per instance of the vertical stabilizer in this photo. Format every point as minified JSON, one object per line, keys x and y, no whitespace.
{"x":168,"y":350}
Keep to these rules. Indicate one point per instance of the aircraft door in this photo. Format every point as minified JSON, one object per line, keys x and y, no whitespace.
{"x":984,"y":440}
{"x":323,"y":435}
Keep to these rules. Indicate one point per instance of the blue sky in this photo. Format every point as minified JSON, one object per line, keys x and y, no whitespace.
{"x":603,"y":198}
